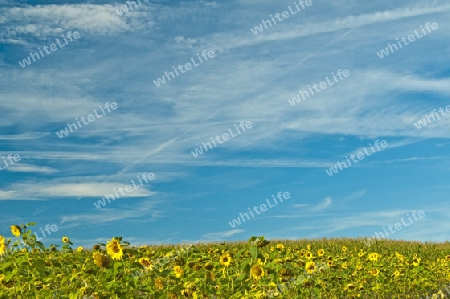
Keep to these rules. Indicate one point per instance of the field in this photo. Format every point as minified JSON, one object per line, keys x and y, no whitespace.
{"x":258,"y":268}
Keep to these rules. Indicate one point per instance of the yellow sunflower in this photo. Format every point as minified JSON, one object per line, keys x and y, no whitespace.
{"x":310,"y":267}
{"x":308,"y":255}
{"x":15,"y":230}
{"x":320,"y":252}
{"x":350,"y":287}
{"x":80,"y":249}
{"x":146,"y":263}
{"x":114,"y":249}
{"x":374,"y":272}
{"x":344,"y":248}
{"x":257,"y":272}
{"x":65,"y":239}
{"x":416,"y":261}
{"x":373,"y":257}
{"x":2,"y":245}
{"x":178,"y":271}
{"x":280,"y":246}
{"x":159,"y":283}
{"x":399,"y":256}
{"x":100,"y":259}
{"x":225,"y":259}
{"x":397,"y":273}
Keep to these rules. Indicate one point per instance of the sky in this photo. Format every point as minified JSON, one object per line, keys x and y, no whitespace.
{"x":246,"y":77}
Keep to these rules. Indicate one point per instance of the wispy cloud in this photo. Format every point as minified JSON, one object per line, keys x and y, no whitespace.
{"x":320,"y":207}
{"x":25,"y":136}
{"x":22,"y":167}
{"x":221,"y":235}
{"x":149,"y":209}
{"x":300,"y":205}
{"x":355,"y":195}
{"x":33,"y":191}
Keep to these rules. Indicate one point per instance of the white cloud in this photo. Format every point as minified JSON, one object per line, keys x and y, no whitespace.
{"x":104,"y":215}
{"x":225,"y":42}
{"x":22,"y":167}
{"x":300,"y":205}
{"x":222,"y":235}
{"x":52,"y":20}
{"x":326,"y":203}
{"x":25,"y":136}
{"x":32,"y":191}
{"x":355,"y":195}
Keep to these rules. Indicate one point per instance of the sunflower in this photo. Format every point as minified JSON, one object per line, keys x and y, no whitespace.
{"x":447,"y":257}
{"x":350,"y":287}
{"x":80,"y":249}
{"x":416,"y":261}
{"x":397,"y":273}
{"x":373,"y":257}
{"x":209,"y":266}
{"x":286,"y":274}
{"x":361,"y":253}
{"x":344,"y":248}
{"x":96,"y":247}
{"x":15,"y":230}
{"x":257,"y":272}
{"x":114,"y":249}
{"x":308,"y":255}
{"x":159,"y":283}
{"x":178,"y":271}
{"x":310,"y":267}
{"x":2,"y":245}
{"x":308,"y":247}
{"x":210,"y":275}
{"x":225,"y":259}
{"x":100,"y":259}
{"x":65,"y":239}
{"x":344,"y":265}
{"x":399,"y":256}
{"x":280,"y":246}
{"x":374,"y":272}
{"x":359,"y":266}
{"x":197,"y":267}
{"x":320,"y":252}
{"x":146,"y":263}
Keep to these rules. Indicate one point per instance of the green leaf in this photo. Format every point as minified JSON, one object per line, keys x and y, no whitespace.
{"x":40,"y":266}
{"x":245,"y":265}
{"x":254,"y":252}
{"x":241,"y":278}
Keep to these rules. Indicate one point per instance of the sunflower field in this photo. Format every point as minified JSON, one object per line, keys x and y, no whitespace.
{"x":327,"y":268}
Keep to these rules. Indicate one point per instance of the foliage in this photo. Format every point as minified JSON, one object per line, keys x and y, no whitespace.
{"x":327,"y":268}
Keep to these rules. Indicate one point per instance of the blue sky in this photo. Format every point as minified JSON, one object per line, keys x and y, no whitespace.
{"x":251,"y":78}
